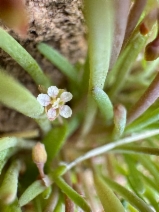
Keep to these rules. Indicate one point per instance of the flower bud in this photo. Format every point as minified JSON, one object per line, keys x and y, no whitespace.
{"x":148,"y":22}
{"x":39,"y":154}
{"x":152,"y":50}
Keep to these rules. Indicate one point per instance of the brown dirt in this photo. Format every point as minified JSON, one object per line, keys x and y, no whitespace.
{"x":59,"y":23}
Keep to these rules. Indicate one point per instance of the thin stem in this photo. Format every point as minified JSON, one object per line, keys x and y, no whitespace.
{"x":109,"y":146}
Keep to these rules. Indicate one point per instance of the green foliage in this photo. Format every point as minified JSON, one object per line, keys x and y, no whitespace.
{"x":103,"y":103}
{"x":129,"y":196}
{"x":72,"y":194}
{"x":108,"y":199}
{"x":8,"y":189}
{"x":92,"y":143}
{"x":16,"y":96}
{"x":23,"y":58}
{"x":59,"y":61}
{"x":54,"y":140}
{"x":31,"y":192}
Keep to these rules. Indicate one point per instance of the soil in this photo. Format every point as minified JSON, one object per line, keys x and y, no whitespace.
{"x":60,"y":24}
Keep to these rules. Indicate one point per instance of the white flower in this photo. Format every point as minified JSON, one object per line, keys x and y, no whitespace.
{"x":54,"y":103}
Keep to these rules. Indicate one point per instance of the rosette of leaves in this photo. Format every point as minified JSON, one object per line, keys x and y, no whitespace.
{"x":105,"y":157}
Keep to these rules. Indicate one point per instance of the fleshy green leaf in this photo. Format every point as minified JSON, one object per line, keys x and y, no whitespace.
{"x":99,"y":19}
{"x":8,"y":189}
{"x":16,"y":96}
{"x":134,"y":175}
{"x":59,"y":61}
{"x":23,"y":58}
{"x":137,"y":150}
{"x":149,"y":165}
{"x":60,"y":206}
{"x":108,"y":199}
{"x":72,"y":194}
{"x":31,"y":192}
{"x":124,"y":63}
{"x":152,"y":197}
{"x":14,"y":207}
{"x":4,"y":156}
{"x":129,"y":196}
{"x":103,"y":103}
{"x":144,"y":121}
{"x":54,"y":141}
{"x":7,"y":142}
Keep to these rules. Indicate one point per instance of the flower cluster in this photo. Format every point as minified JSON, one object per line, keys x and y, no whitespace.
{"x":54,"y":103}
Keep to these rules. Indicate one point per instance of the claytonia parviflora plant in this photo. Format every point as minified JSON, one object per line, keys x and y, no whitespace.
{"x":54,"y":103}
{"x":111,"y":142}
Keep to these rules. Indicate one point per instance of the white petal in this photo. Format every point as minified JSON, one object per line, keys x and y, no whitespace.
{"x":43,"y":99}
{"x":51,"y":114}
{"x":53,"y":91}
{"x":66,"y":96}
{"x":65,"y":111}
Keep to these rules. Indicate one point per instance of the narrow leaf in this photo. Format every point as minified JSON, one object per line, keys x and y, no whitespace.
{"x":59,"y":61}
{"x":149,"y":165}
{"x":72,"y":194}
{"x":4,"y":155}
{"x":129,"y":196}
{"x":134,"y":175}
{"x":103,"y":103}
{"x":144,"y":121}
{"x":99,"y":18}
{"x":31,"y":192}
{"x":7,"y":142}
{"x":108,"y":199}
{"x":123,"y":65}
{"x":152,"y":197}
{"x":8,"y":189}
{"x":14,"y":207}
{"x":54,"y":141}
{"x":137,"y":150}
{"x":60,"y":206}
{"x":23,"y":58}
{"x":15,"y":96}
